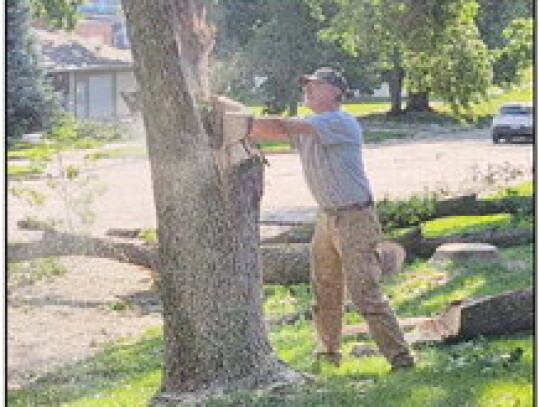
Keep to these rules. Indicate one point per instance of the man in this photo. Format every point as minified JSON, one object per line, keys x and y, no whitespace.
{"x":344,"y":246}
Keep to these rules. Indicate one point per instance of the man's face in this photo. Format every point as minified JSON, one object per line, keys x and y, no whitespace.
{"x":319,"y":93}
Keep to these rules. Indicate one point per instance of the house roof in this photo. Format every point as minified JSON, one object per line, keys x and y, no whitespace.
{"x":63,"y":51}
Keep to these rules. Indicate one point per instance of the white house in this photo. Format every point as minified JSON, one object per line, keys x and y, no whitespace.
{"x":96,"y":81}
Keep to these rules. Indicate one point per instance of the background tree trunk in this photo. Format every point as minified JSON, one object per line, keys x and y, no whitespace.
{"x":395,"y":83}
{"x":418,"y":102}
{"x":215,"y":339}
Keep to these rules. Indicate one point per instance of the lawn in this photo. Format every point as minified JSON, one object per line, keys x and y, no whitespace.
{"x":485,"y":372}
{"x":479,"y":373}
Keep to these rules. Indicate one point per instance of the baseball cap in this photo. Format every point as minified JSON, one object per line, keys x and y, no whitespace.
{"x":328,"y":75}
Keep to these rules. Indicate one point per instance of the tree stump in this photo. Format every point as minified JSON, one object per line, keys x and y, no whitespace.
{"x":464,"y":252}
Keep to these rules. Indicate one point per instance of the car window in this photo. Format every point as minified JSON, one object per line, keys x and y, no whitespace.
{"x":516,"y":110}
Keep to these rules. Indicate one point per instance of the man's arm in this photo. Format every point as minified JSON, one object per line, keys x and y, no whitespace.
{"x":279,"y":128}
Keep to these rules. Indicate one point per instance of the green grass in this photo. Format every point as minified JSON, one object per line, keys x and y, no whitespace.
{"x":468,"y":224}
{"x":424,"y":289}
{"x":23,"y":169}
{"x":123,"y":374}
{"x":282,"y":300}
{"x":27,"y":151}
{"x":477,"y":373}
{"x":275,"y":147}
{"x":118,"y":153}
{"x":474,"y":373}
{"x":39,"y":154}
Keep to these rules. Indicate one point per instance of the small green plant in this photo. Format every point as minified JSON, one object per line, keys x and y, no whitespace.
{"x":70,"y":183}
{"x":28,"y":272}
{"x":400,"y":214}
{"x":149,"y":236}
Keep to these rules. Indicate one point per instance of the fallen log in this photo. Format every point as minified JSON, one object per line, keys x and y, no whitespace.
{"x":285,"y":264}
{"x":54,"y":243}
{"x":501,"y":314}
{"x":506,"y":313}
{"x":290,"y":262}
{"x":280,"y":263}
{"x":472,"y":206}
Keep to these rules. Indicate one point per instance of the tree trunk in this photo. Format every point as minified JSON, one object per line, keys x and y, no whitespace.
{"x":395,"y":83}
{"x":418,"y":102}
{"x":207,"y":216}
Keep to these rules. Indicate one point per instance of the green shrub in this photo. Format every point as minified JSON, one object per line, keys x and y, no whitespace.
{"x":400,"y":214}
{"x":102,"y":131}
{"x":70,"y":132}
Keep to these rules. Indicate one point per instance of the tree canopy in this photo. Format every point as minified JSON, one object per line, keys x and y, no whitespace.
{"x":278,"y":41}
{"x":59,"y":13}
{"x":436,"y":43}
{"x":454,"y":49}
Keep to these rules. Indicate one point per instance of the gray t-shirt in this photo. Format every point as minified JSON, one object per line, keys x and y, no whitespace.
{"x":332,"y":160}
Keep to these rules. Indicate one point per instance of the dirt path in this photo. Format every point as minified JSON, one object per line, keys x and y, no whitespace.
{"x":56,"y":322}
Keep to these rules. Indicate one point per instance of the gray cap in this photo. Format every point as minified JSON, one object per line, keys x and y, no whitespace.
{"x":328,"y":75}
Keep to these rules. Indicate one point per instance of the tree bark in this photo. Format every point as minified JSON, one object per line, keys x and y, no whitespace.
{"x":207,"y":216}
{"x":395,"y":83}
{"x":418,"y":102}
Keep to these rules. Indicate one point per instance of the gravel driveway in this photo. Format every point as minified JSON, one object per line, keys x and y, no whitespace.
{"x":56,"y":322}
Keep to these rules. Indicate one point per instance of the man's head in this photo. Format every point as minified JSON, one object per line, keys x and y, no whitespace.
{"x":323,"y":89}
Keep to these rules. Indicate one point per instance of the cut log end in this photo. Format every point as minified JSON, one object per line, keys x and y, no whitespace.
{"x":465,"y":252}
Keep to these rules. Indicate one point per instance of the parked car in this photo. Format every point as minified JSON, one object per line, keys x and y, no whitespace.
{"x":513,"y":122}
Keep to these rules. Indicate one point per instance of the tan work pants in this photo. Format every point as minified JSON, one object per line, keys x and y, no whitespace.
{"x":344,"y":253}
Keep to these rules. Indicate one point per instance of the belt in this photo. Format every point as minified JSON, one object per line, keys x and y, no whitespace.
{"x":339,"y":209}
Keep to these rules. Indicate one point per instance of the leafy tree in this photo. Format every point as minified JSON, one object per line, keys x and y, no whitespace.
{"x":507,"y":28}
{"x":494,"y":16}
{"x":278,"y":40}
{"x":456,"y":66}
{"x":367,"y":27}
{"x":516,"y":55}
{"x":426,"y":45}
{"x":30,"y":99}
{"x":59,"y":13}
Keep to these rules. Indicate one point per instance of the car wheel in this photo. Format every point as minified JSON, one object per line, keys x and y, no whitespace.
{"x":496,"y":139}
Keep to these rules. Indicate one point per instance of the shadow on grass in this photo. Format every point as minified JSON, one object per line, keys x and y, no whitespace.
{"x":111,"y":368}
